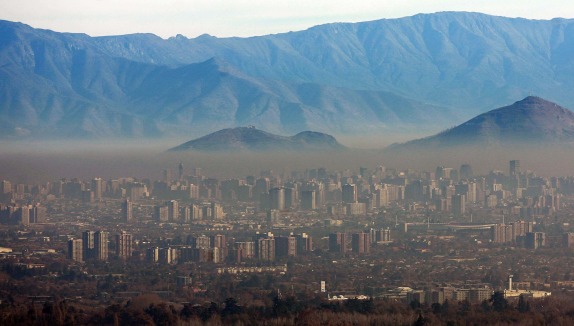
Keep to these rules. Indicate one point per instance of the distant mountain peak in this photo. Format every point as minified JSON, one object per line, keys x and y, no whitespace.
{"x":532,"y":120}
{"x":252,"y":139}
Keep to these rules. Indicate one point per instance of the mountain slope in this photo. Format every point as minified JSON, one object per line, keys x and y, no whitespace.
{"x":531,"y":121}
{"x":424,"y":71}
{"x":251,"y":139}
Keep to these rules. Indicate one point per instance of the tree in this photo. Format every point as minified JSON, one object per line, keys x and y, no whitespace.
{"x":523,"y":305}
{"x":499,"y":303}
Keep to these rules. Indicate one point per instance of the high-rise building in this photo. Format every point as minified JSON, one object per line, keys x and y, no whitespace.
{"x":308,"y":200}
{"x":466,"y":171}
{"x":286,"y":246}
{"x":101,"y":245}
{"x":172,"y":211}
{"x":266,"y":249}
{"x":123,"y":245}
{"x":277,"y":198}
{"x":88,"y":244}
{"x":217,"y":211}
{"x":361,"y":243}
{"x":75,"y":250}
{"x":349,"y":194}
{"x":514,"y":167}
{"x":161,"y":213}
{"x":338,"y":242}
{"x":127,"y":210}
{"x":535,"y":240}
{"x":304,"y":243}
{"x":459,"y":205}
{"x":97,"y":188}
{"x":5,"y":187}
{"x":180,"y":171}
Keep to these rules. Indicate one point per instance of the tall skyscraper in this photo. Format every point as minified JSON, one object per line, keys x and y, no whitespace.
{"x":308,"y":200}
{"x":173,"y":210}
{"x":88,"y":244}
{"x":466,"y":171}
{"x":127,"y":211}
{"x":123,"y":245}
{"x":349,"y":194}
{"x":338,"y":242}
{"x":277,"y":198}
{"x":180,"y":171}
{"x":97,"y":188}
{"x":361,"y":243}
{"x":459,"y":205}
{"x":266,"y":249}
{"x":514,"y":167}
{"x":101,"y":245}
{"x":75,"y":250}
{"x":286,"y":246}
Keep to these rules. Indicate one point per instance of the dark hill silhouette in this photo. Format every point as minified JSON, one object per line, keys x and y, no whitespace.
{"x":251,"y":139}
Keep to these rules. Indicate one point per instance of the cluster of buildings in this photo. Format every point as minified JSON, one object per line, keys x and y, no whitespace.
{"x":22,"y":214}
{"x":94,"y":245}
{"x":218,"y":249}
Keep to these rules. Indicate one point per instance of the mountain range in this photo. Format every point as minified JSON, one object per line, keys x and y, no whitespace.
{"x":251,"y":139}
{"x":423,"y":73}
{"x":528,"y":123}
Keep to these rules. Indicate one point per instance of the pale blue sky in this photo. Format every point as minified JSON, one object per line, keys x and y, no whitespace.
{"x":245,"y":17}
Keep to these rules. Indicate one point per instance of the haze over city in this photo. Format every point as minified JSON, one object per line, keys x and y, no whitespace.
{"x":264,"y":162}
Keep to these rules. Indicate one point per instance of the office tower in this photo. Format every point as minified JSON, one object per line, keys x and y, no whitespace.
{"x":246,"y":250}
{"x":180,"y":171}
{"x":266,"y":249}
{"x":304,"y":243}
{"x":196,"y":212}
{"x":568,"y":240}
{"x":308,"y":200}
{"x":193,"y":191}
{"x":5,"y":187}
{"x":361,"y":243}
{"x":127,"y":211}
{"x":37,"y":214}
{"x":216,"y":211}
{"x":338,"y":242}
{"x":262,"y":186}
{"x":290,"y":197}
{"x":23,"y":215}
{"x":167,"y":176}
{"x":101,"y":245}
{"x":172,"y":211}
{"x":75,"y":251}
{"x":466,"y":171}
{"x":201,"y":242}
{"x":514,"y":167}
{"x":185,"y":214}
{"x":97,"y":188}
{"x":88,"y":244}
{"x":277,"y":198}
{"x":218,"y":241}
{"x":123,"y":245}
{"x":152,"y":255}
{"x":167,"y":255}
{"x":459,"y":205}
{"x":161,"y":213}
{"x":349,"y":194}
{"x":286,"y":246}
{"x":535,"y":240}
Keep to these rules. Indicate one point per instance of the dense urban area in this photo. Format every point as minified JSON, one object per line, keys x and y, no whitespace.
{"x":374,"y":245}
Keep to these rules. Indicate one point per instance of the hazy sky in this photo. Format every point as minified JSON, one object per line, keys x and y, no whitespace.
{"x":245,"y":17}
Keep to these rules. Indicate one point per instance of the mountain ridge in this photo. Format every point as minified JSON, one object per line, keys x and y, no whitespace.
{"x":252,"y":139}
{"x":423,"y":71}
